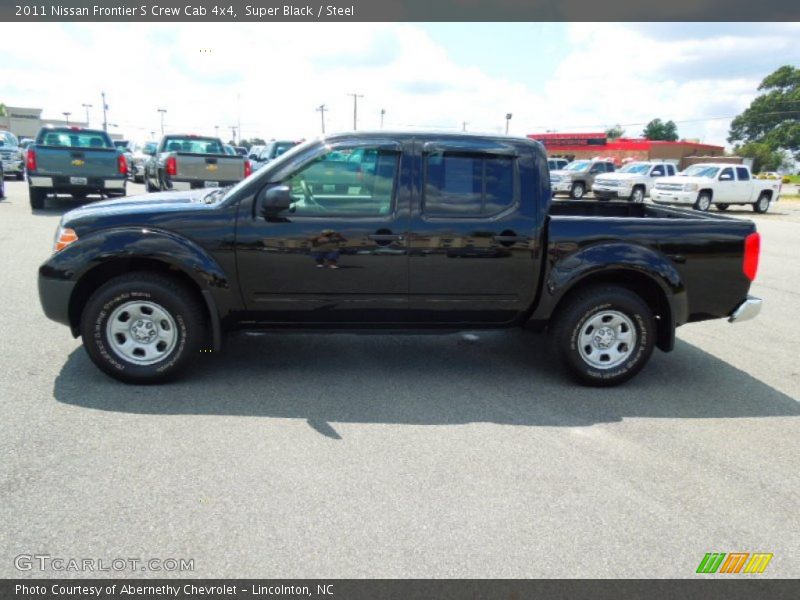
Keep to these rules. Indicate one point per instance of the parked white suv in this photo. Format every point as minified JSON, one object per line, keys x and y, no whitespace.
{"x":720,"y":184}
{"x":632,"y":182}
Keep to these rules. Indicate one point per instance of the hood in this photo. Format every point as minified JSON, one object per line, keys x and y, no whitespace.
{"x":159,"y":202}
{"x":619,"y":176}
{"x":684,"y":179}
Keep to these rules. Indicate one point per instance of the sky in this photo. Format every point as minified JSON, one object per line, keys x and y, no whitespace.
{"x":270,"y":77}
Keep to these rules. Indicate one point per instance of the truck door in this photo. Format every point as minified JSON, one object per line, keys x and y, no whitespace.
{"x":474,"y":254}
{"x":744,"y":186}
{"x":339,"y":253}
{"x":726,"y":188}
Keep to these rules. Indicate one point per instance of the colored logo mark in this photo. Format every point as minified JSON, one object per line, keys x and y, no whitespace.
{"x":734,"y":562}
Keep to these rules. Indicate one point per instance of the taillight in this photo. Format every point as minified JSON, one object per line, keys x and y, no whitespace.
{"x":171,"y":166}
{"x":30,"y":162}
{"x":752,"y":248}
{"x":248,"y":168}
{"x":122,"y":165}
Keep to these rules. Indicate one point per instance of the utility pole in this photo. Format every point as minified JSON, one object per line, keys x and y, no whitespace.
{"x":153,"y":135}
{"x":238,"y":115}
{"x":216,"y":130}
{"x":87,"y":107}
{"x":66,"y":116}
{"x":163,"y":112}
{"x":508,"y":120}
{"x":105,"y":108}
{"x":233,"y":135}
{"x":383,"y":112}
{"x":464,"y":125}
{"x":321,"y":110}
{"x":355,"y":109}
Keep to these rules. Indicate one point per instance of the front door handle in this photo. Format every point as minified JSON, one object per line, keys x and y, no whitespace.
{"x":509,"y":238}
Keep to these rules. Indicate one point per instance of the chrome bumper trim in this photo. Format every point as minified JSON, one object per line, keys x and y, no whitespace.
{"x":747,"y":310}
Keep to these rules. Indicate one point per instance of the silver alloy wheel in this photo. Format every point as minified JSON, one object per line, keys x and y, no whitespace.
{"x":704,"y":202}
{"x":606,"y":339}
{"x":577,"y":191}
{"x":638,"y":195}
{"x":763,"y":204}
{"x":141,"y":332}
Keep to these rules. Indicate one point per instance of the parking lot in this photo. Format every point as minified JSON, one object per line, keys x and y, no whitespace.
{"x":401,"y":456}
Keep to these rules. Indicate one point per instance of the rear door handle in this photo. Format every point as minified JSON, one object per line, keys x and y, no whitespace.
{"x":510,"y":239}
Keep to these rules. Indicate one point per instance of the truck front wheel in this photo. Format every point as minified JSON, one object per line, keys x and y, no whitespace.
{"x":142,"y":328}
{"x":703,"y":202}
{"x":577,"y":190}
{"x":604,"y":335}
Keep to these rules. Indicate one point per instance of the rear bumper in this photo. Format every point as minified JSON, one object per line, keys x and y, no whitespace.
{"x":64,"y":183}
{"x":747,"y":310}
{"x":194,"y":184}
{"x":54,"y":295}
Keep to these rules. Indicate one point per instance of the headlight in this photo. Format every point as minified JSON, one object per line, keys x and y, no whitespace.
{"x":689,"y":187}
{"x":64,"y":237}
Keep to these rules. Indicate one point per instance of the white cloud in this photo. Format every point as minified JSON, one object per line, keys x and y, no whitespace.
{"x":280,"y":73}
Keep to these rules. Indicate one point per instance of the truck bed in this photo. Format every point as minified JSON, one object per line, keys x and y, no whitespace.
{"x":627,"y":210}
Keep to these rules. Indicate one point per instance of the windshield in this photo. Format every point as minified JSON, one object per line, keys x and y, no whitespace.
{"x":275,"y":164}
{"x":635,"y":168}
{"x":8,"y":139}
{"x":578,"y":165}
{"x":150,"y":147}
{"x":701,"y":171}
{"x":193,"y":145}
{"x":68,"y":138}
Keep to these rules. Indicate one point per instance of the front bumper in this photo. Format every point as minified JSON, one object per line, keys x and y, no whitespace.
{"x":54,"y":295}
{"x":602,"y":191}
{"x":560,"y":186}
{"x":670,"y":197}
{"x":13,"y":166}
{"x":749,"y":309}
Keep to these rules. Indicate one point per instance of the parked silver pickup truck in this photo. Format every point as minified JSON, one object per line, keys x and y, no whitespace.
{"x":11,"y":155}
{"x":184,"y":162}
{"x":75,"y":161}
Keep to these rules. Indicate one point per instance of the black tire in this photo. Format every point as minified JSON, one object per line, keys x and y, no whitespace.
{"x":703,"y":202}
{"x":180,"y":303}
{"x":37,"y":197}
{"x":762,"y":204}
{"x":722,"y":207}
{"x":2,"y":187}
{"x":149,"y":187}
{"x":637,"y":195}
{"x":21,"y":176}
{"x":577,"y":191}
{"x":574,"y":318}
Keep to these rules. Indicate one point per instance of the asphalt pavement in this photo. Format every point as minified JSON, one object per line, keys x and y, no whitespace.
{"x":400,"y":456}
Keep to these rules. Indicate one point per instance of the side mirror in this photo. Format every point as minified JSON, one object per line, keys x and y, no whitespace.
{"x":275,"y":200}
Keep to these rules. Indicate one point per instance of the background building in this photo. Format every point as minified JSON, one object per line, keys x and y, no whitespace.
{"x":26,"y":122}
{"x":590,"y":145}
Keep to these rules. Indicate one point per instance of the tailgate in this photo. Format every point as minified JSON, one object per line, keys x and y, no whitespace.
{"x":209,"y":167}
{"x":82,"y":162}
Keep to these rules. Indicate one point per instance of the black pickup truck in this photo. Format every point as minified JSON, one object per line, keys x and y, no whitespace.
{"x":427,"y":231}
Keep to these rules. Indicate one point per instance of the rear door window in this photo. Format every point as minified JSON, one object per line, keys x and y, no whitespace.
{"x":742,"y":174}
{"x":468,"y":185}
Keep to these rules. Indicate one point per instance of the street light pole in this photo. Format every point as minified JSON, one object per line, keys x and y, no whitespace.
{"x":162,"y":111}
{"x":105,"y":108}
{"x":87,"y":107}
{"x":66,"y":116}
{"x":464,"y":125}
{"x":216,"y":130}
{"x":321,"y":110}
{"x":383,"y":112}
{"x":508,"y":120}
{"x":355,"y":109}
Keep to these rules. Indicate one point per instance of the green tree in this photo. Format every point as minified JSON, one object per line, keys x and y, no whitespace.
{"x":773,"y":118}
{"x":764,"y":157}
{"x":660,"y":130}
{"x":616,"y":132}
{"x":2,"y":110}
{"x":252,"y":142}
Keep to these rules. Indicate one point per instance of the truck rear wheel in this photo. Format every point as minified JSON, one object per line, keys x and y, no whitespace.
{"x":722,"y":206}
{"x":577,"y":190}
{"x":604,"y":335}
{"x":762,"y":204}
{"x":142,"y":328}
{"x":37,"y":197}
